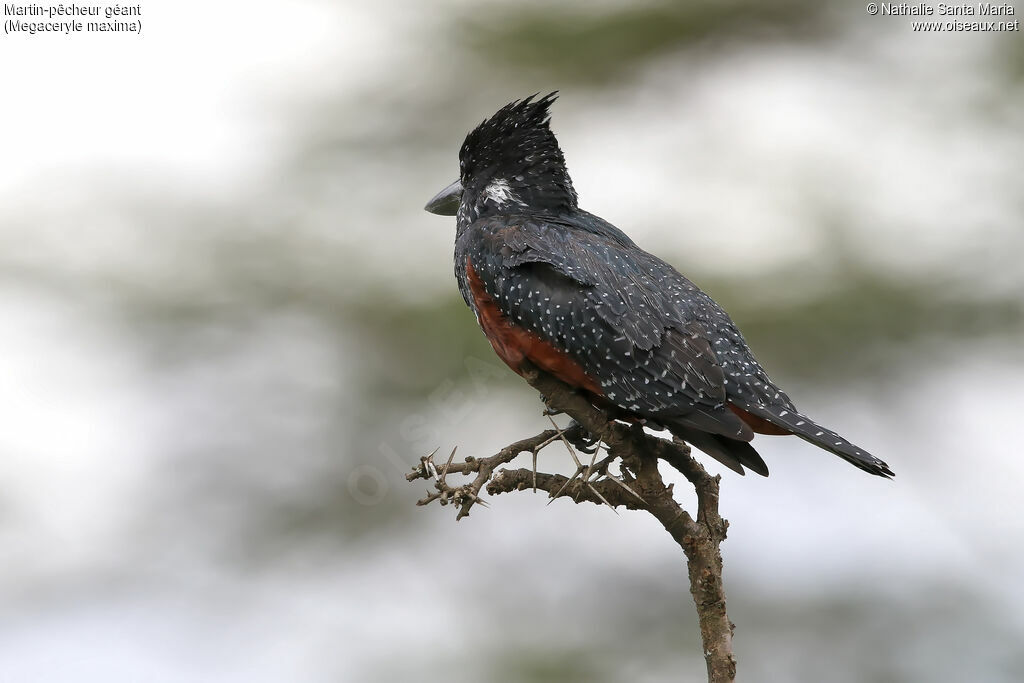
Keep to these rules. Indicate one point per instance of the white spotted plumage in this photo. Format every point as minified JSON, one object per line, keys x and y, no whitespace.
{"x":657,"y":346}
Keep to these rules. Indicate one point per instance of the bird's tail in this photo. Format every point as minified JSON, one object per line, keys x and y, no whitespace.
{"x":808,"y":430}
{"x":732,"y":453}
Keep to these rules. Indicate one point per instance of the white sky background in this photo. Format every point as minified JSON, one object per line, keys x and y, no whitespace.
{"x":193,"y":101}
{"x":200,"y":105}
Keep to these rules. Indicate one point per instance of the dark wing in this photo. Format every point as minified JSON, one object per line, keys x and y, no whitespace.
{"x":621,"y":313}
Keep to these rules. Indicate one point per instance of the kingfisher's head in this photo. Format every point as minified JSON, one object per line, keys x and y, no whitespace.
{"x":510,"y":163}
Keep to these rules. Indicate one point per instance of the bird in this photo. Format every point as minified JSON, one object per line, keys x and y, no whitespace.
{"x":560,"y":289}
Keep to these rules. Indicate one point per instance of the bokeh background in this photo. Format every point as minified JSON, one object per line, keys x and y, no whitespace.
{"x":227,"y":329}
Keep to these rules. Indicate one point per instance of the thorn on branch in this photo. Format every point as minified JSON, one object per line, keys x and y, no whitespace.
{"x":638,"y":486}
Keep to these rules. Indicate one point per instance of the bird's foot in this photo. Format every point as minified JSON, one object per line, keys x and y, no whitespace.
{"x":548,"y":410}
{"x":584,"y":441}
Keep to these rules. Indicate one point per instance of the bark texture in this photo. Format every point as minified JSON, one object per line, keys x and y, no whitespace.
{"x":637,"y":486}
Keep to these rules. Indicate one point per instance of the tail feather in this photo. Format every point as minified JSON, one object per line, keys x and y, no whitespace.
{"x":730,"y":452}
{"x":822,"y":437}
{"x":718,"y":421}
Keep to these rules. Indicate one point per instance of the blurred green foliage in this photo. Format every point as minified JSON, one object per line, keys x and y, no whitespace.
{"x":234,"y":270}
{"x":570,"y":44}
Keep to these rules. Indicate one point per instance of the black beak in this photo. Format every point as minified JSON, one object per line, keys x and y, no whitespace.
{"x":446,"y":202}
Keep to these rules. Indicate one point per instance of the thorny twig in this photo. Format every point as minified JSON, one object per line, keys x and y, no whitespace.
{"x":640,"y":487}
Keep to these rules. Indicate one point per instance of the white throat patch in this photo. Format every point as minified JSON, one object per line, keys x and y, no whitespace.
{"x":500,"y":193}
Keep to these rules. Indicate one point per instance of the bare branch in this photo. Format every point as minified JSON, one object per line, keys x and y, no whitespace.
{"x":507,"y":481}
{"x":640,"y":487}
